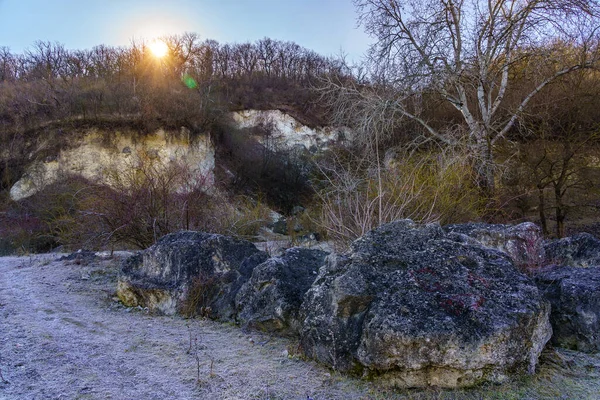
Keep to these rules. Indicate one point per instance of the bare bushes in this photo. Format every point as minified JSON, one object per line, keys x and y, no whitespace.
{"x":44,"y":221}
{"x":246,"y":217}
{"x":202,"y":291}
{"x":357,"y":196}
{"x":22,"y":232}
{"x":147,"y":200}
{"x":143,"y":201}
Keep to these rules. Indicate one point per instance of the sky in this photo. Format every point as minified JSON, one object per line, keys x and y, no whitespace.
{"x":326,"y":26}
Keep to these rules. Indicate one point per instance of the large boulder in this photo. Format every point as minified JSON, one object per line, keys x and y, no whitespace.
{"x":574,"y":294}
{"x":581,"y":250}
{"x":523,"y":243}
{"x":423,"y":307}
{"x":194,"y":269}
{"x":271,"y":299}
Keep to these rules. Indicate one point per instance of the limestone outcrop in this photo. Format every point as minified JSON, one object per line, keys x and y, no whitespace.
{"x":101,"y":157}
{"x":424,"y":308}
{"x":163,"y":276}
{"x":523,"y":243}
{"x":271,"y":299}
{"x":287,"y":132}
{"x":574,"y":294}
{"x":580,"y":250}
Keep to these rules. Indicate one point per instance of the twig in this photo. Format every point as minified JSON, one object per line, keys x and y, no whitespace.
{"x":198,"y":364}
{"x":189,"y":350}
{"x":2,"y":377}
{"x":212,"y":361}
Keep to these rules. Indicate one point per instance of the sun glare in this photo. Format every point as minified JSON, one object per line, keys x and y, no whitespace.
{"x":158,"y":48}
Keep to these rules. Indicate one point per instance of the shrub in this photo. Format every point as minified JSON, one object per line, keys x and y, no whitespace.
{"x":246,"y":217}
{"x":356,"y":196}
{"x":200,"y":294}
{"x":45,"y":220}
{"x":147,"y":200}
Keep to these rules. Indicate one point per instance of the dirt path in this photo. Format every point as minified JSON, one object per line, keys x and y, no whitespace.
{"x":63,"y":336}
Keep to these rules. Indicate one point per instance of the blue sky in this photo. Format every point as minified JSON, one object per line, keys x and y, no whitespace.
{"x":326,"y":26}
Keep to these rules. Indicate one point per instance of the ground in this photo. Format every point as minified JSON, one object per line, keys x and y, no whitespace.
{"x":64,"y":335}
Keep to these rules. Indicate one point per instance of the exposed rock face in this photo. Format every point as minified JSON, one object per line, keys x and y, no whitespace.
{"x":287,"y":132}
{"x":162,"y":276}
{"x":94,"y":159}
{"x":523,"y":243}
{"x":574,"y":294}
{"x":425,"y":308}
{"x":271,"y":299}
{"x":581,"y":250}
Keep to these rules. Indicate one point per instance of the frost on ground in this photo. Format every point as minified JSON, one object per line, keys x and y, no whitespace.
{"x":64,"y":336}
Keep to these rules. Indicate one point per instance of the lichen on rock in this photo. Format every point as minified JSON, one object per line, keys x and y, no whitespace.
{"x":161,"y":277}
{"x":412,"y":304}
{"x":270,"y":300}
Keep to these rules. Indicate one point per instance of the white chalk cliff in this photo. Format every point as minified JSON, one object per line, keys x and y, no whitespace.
{"x":92,"y":158}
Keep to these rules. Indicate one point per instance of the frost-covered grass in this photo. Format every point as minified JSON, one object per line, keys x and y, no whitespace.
{"x":63,"y":335}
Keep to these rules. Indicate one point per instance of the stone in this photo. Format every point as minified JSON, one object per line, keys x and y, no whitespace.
{"x":80,"y":255}
{"x":297,"y":210}
{"x":286,"y":132}
{"x":164,"y":276}
{"x":580,"y":250}
{"x":280,"y":226}
{"x":574,"y":294}
{"x":523,"y":243}
{"x":271,"y":299}
{"x":421,"y":307}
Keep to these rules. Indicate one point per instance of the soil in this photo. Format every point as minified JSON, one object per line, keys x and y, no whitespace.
{"x":64,"y":335}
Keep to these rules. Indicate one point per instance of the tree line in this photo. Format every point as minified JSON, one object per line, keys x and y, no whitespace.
{"x":187,"y":53}
{"x":49,"y":82}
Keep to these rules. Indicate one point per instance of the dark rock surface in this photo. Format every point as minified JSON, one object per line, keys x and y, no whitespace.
{"x":79,"y":255}
{"x":523,"y":243}
{"x":280,"y":226}
{"x":160,"y":277}
{"x":581,"y":250}
{"x":574,"y":294}
{"x":425,"y":308}
{"x":271,"y":299}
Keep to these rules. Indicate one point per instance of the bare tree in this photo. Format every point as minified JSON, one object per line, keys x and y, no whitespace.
{"x":8,"y":65}
{"x":464,"y":52}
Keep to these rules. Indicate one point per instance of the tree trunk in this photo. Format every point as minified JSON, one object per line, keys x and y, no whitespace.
{"x":542,"y":211}
{"x":485,"y":170}
{"x":561,"y":214}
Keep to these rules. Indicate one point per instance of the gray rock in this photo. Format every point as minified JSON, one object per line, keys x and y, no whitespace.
{"x":574,"y":294}
{"x":424,"y":308}
{"x":581,"y":250}
{"x":297,"y":210}
{"x":80,"y":255}
{"x":271,"y":299}
{"x":280,"y":226}
{"x":209,"y":266}
{"x":523,"y":243}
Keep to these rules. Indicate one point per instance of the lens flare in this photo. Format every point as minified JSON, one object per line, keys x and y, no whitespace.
{"x":189,"y":81}
{"x":158,"y":48}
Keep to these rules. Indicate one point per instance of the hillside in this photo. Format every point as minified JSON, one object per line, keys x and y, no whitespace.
{"x":288,"y":130}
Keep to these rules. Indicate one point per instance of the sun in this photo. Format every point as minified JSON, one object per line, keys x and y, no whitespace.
{"x":158,"y":48}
